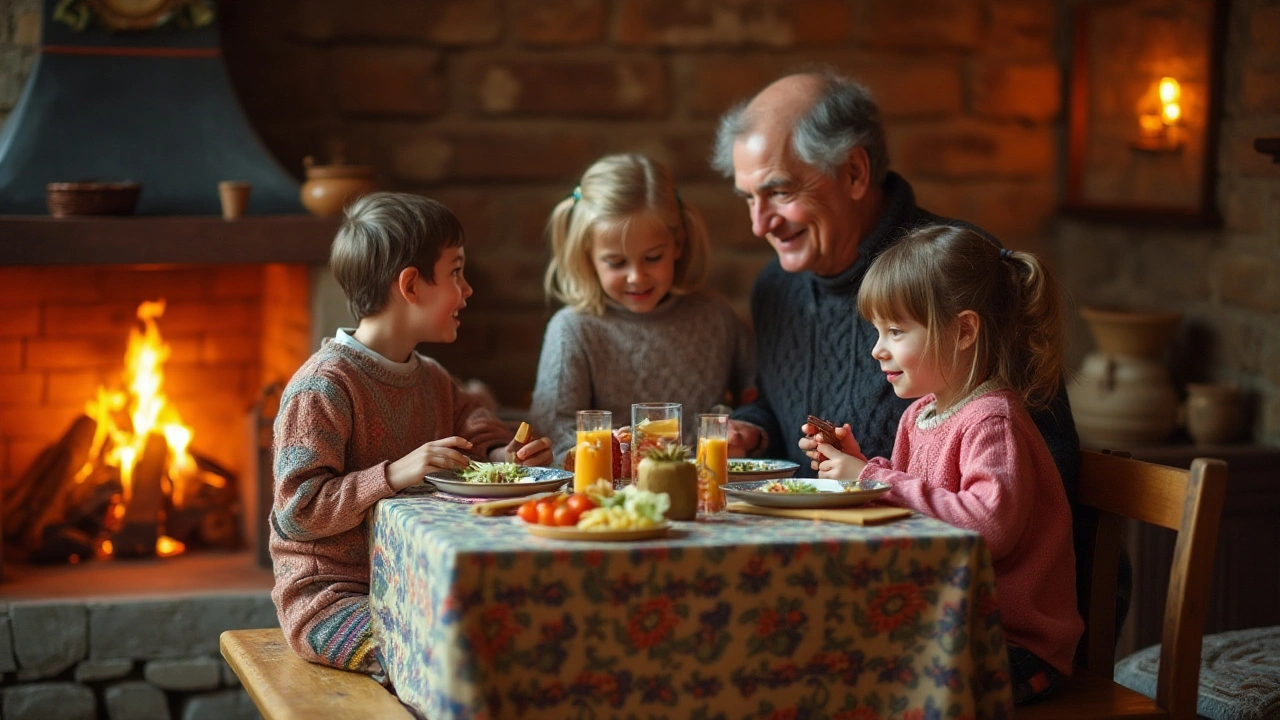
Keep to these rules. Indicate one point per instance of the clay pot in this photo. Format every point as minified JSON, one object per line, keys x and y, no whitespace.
{"x":679,"y":480}
{"x":1213,"y":412}
{"x":329,"y":188}
{"x":1122,"y":396}
{"x":1134,"y":334}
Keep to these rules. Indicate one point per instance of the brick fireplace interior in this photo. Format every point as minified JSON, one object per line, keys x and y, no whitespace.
{"x":232,"y":330}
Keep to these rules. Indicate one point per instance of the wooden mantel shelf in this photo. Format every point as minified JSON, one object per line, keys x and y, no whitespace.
{"x":167,"y":240}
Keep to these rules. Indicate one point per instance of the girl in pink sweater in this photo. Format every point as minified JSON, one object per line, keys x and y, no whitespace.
{"x":975,"y":332}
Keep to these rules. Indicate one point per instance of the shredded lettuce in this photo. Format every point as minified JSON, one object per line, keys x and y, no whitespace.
{"x":643,"y":503}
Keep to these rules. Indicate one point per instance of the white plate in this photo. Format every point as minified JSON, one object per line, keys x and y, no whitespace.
{"x":572,"y":533}
{"x":831,"y":493}
{"x":541,"y":479}
{"x":743,"y":469}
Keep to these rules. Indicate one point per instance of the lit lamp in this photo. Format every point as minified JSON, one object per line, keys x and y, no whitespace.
{"x":1159,"y":126}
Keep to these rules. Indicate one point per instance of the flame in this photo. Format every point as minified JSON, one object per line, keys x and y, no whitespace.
{"x":1170,"y":95}
{"x":126,"y":417}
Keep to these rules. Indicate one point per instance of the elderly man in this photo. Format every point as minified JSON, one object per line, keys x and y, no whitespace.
{"x":808,"y":155}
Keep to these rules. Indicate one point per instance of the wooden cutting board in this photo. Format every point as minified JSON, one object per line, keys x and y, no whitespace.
{"x":855,"y":515}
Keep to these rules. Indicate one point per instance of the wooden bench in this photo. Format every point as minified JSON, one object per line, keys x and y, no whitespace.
{"x":286,"y":687}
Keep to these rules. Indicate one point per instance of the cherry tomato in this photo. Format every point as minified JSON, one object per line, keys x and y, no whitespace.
{"x":580,"y":503}
{"x":566,"y":516}
{"x":546,"y":513}
{"x":528,"y":512}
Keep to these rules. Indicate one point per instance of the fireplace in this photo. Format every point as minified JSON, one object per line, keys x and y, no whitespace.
{"x":230,"y":333}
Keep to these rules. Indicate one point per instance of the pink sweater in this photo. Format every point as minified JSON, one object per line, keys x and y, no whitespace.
{"x":986,"y":468}
{"x":343,"y":419}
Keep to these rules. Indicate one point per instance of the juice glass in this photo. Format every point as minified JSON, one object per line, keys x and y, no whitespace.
{"x":651,"y":424}
{"x":713,"y":463}
{"x":593,"y":455}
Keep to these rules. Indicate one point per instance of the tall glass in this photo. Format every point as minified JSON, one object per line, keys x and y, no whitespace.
{"x":651,"y":424}
{"x":593,"y":455}
{"x":713,"y":463}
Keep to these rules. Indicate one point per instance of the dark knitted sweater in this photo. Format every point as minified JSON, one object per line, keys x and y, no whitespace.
{"x":813,"y":353}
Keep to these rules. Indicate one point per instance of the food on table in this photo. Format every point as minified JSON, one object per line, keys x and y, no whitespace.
{"x":664,"y":470}
{"x":485,"y":472}
{"x":647,"y":434}
{"x":522,"y":434}
{"x":598,"y":509}
{"x":751,"y":466}
{"x":800,"y":486}
{"x":713,"y":471}
{"x":826,"y":431}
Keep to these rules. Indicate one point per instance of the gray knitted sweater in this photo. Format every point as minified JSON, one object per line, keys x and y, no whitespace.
{"x":690,"y":349}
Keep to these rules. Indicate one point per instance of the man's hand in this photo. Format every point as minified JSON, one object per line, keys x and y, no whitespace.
{"x":745,"y":439}
{"x":435,"y":455}
{"x":533,"y":453}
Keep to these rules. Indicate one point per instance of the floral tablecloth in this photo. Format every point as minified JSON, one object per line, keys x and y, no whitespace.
{"x":750,"y":617}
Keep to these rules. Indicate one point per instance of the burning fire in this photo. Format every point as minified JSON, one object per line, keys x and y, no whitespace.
{"x":127,"y":417}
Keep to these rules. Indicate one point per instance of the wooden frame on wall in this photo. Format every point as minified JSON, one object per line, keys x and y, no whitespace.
{"x":1117,"y":169}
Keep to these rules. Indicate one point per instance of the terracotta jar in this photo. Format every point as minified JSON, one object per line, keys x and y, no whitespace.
{"x":329,"y":188}
{"x":1213,"y":412}
{"x":1122,"y":396}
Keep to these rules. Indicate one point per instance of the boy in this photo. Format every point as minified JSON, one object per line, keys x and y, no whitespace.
{"x":366,"y":417}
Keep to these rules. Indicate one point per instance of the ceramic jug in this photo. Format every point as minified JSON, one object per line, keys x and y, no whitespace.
{"x":329,"y":188}
{"x":1122,"y":396}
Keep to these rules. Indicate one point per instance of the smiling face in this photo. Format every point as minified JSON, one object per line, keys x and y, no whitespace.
{"x":635,"y":260}
{"x":909,"y":364}
{"x":809,"y":218}
{"x":440,"y":303}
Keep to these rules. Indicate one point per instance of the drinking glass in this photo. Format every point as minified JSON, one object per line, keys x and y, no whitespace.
{"x":593,"y":455}
{"x":651,"y":424}
{"x":713,"y":464}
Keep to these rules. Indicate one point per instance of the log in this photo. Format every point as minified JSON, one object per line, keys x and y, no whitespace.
{"x":43,"y":486}
{"x":140,"y":527}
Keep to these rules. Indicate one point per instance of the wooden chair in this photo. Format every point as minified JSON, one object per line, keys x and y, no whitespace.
{"x":1186,"y":501}
{"x":286,"y":687}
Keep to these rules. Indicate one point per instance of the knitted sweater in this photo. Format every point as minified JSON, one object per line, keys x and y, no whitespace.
{"x":343,"y":419}
{"x":983,"y":466}
{"x":689,"y":349}
{"x":814,"y":353}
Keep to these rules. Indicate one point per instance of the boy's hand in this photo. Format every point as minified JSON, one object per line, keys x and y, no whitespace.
{"x":844,"y":434}
{"x":533,"y":453}
{"x":837,"y":465}
{"x":435,"y":455}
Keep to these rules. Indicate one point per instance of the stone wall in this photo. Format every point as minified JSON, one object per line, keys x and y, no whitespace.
{"x":1226,"y":281}
{"x":125,"y":659}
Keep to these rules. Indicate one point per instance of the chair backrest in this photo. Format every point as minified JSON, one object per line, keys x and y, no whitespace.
{"x":1186,"y":501}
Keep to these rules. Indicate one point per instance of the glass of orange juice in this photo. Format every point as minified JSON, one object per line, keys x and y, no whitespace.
{"x":593,"y":455}
{"x":713,"y":464}
{"x":652,"y":424}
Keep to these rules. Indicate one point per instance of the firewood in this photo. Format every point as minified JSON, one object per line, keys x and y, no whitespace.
{"x":47,"y":483}
{"x":141,"y":525}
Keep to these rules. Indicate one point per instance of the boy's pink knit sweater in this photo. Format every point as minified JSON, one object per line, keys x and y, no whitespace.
{"x":343,"y":419}
{"x":986,"y":468}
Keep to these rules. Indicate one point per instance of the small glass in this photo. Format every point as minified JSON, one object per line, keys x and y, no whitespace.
{"x":651,"y":424}
{"x":593,"y":454}
{"x":713,"y":464}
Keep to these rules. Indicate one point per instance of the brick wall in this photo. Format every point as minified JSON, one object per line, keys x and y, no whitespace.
{"x":1226,"y":282}
{"x":63,"y":332}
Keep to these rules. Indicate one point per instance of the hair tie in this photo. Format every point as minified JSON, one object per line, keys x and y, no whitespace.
{"x":1005,"y":253}
{"x":576,"y":194}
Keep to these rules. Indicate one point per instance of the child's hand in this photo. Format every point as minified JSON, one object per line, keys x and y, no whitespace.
{"x":533,"y":453}
{"x":435,"y":455}
{"x":836,"y":464}
{"x":844,"y":433}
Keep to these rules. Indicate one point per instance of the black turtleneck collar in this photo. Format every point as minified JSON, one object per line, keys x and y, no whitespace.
{"x":900,"y":213}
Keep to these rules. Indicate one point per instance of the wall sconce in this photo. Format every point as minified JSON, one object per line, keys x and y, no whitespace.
{"x":1159,"y":122}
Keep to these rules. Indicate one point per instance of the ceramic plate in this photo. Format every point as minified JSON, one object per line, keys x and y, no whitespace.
{"x":742,"y":469}
{"x":572,"y":533}
{"x":831,"y":493}
{"x":541,"y":479}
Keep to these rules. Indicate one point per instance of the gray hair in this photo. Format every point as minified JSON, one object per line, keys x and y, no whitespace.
{"x":844,"y":116}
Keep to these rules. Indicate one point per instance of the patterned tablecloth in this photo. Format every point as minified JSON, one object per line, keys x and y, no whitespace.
{"x":750,"y":617}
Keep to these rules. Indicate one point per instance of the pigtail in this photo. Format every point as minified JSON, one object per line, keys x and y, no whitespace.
{"x":558,"y":282}
{"x":1036,"y":359}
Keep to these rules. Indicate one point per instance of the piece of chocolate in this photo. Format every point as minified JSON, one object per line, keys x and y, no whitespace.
{"x":826,"y":431}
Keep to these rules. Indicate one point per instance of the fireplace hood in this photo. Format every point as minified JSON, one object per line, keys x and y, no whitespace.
{"x":153,"y":106}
